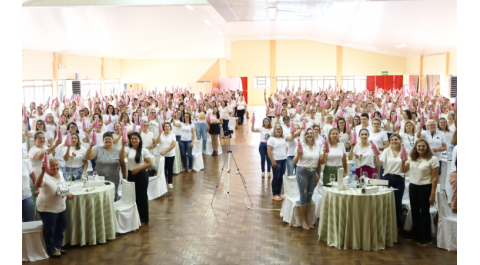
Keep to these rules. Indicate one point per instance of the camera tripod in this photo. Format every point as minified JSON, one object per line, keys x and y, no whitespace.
{"x":237,"y":172}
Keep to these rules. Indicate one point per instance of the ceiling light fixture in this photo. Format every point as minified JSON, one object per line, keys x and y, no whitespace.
{"x":208,"y":22}
{"x":144,"y":49}
{"x":272,"y":12}
{"x":221,"y":33}
{"x":401,"y":45}
{"x":65,"y":33}
{"x":189,"y":7}
{"x":360,"y":46}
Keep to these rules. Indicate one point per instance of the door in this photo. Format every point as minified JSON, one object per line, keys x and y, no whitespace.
{"x":245,"y":88}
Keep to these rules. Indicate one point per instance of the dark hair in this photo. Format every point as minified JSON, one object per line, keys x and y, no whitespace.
{"x":359,"y":120}
{"x":37,"y":134}
{"x":379,"y":113}
{"x":42,"y":122}
{"x":363,"y":129}
{"x":138,"y":154}
{"x":72,"y":123}
{"x":218,"y":114}
{"x":344,"y":128}
{"x":365,"y":115}
{"x":106,"y":112}
{"x":409,"y":113}
{"x":78,"y":146}
{"x":438,"y":124}
{"x":107,"y":134}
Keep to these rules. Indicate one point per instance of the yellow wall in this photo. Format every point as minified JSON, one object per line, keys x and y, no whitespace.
{"x":212,"y":74}
{"x":412,"y":66}
{"x":434,"y":65}
{"x":359,"y":62}
{"x":37,"y":65}
{"x":453,"y":64}
{"x":250,"y":59}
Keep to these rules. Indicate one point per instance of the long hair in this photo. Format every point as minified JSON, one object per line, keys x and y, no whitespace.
{"x":218,"y":114}
{"x":438,"y":124}
{"x":330,"y":132}
{"x":72,"y":123}
{"x":44,"y":126}
{"x":77,"y":146}
{"x":269,"y":123}
{"x":454,"y":138}
{"x":345,"y":127}
{"x":414,"y":153}
{"x":359,"y":121}
{"x":138,"y":154}
{"x":405,"y":127}
{"x":53,"y":120}
{"x":124,"y":114}
{"x":305,"y":136}
{"x":274,"y":128}
{"x":113,"y":110}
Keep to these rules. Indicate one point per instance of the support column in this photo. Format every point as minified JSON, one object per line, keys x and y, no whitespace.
{"x":55,"y":73}
{"x":420,"y":78}
{"x":103,"y":75}
{"x":273,"y":66}
{"x":339,"y":75}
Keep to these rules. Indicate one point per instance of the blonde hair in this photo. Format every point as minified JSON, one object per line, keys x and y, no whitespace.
{"x":414,"y":153}
{"x":405,"y":127}
{"x":330,"y":132}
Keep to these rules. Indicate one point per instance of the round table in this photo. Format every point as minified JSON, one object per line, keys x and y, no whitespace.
{"x":352,"y":220}
{"x":90,"y":216}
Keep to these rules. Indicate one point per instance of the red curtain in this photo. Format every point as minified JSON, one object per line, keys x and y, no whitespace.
{"x":379,"y":82}
{"x":399,"y":81}
{"x":245,"y":88}
{"x":371,"y":83}
{"x":389,"y":82}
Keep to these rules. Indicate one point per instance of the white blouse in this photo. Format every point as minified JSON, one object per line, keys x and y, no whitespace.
{"x":310,"y":157}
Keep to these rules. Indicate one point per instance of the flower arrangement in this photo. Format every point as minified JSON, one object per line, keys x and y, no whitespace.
{"x":359,"y":157}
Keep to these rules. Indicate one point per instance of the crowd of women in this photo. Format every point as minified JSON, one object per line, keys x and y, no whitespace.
{"x":304,"y":131}
{"x":117,"y":136}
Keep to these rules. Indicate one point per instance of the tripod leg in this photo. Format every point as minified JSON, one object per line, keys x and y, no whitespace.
{"x":218,"y":183}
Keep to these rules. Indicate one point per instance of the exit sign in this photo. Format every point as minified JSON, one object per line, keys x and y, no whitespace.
{"x":384,"y":72}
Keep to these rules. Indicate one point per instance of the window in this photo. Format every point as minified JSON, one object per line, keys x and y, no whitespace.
{"x":110,"y":85}
{"x":357,"y":82}
{"x":93,"y":86}
{"x":38,"y":91}
{"x":262,"y":82}
{"x":453,"y":86}
{"x":311,"y":83}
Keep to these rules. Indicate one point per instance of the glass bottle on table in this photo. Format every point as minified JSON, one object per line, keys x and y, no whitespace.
{"x":332,"y":178}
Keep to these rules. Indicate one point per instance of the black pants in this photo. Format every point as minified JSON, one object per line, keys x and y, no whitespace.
{"x":225,"y":126}
{"x":420,"y":207}
{"x":168,"y":168}
{"x":234,"y":113}
{"x":54,"y":225}
{"x":141,"y":186}
{"x":397,"y":182}
{"x":240,"y":114}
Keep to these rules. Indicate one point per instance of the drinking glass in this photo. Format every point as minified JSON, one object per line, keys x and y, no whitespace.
{"x":332,"y":178}
{"x":94,"y":175}
{"x":68,"y":177}
{"x":374,"y":176}
{"x":75,"y":176}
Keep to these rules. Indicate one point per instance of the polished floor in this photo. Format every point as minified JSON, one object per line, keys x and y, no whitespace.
{"x":185,"y":229}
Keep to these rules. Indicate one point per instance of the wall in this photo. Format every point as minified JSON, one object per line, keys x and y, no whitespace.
{"x":86,"y":67}
{"x":359,"y":62}
{"x":37,"y":65}
{"x":453,"y":64}
{"x":412,"y":66}
{"x":112,"y":68}
{"x":250,"y":59}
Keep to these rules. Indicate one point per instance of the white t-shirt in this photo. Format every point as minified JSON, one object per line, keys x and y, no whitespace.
{"x":291,"y":145}
{"x":310,"y":157}
{"x":201,"y":117}
{"x":52,"y":195}
{"x":265,"y":134}
{"x":279,"y":148}
{"x":27,"y":169}
{"x":343,"y":138}
{"x":51,"y":128}
{"x":241,"y":105}
{"x":408,"y":141}
{"x":378,"y":139}
{"x":176,"y":130}
{"x":435,"y":141}
{"x":78,"y":159}
{"x":165,"y":142}
{"x":110,"y":126}
{"x":131,"y":153}
{"x":391,"y":164}
{"x":335,"y":157}
{"x":99,"y":138}
{"x":186,"y":132}
{"x":367,"y":155}
{"x":224,"y":113}
{"x":36,"y":164}
{"x":421,"y":170}
{"x":147,"y":139}
{"x":79,"y":124}
{"x":349,"y":111}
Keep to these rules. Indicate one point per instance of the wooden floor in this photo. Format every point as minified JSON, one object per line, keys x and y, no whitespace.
{"x":185,"y":229}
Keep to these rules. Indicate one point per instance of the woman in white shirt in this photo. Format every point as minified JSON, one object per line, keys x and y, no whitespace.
{"x":453,"y":174}
{"x":241,"y":109}
{"x":201,"y":126}
{"x":442,"y":126}
{"x":166,"y":147}
{"x":277,"y":152}
{"x":391,"y":160}
{"x":138,"y":163}
{"x":265,"y":133}
{"x":344,"y":136}
{"x":379,"y":138}
{"x":27,"y":200}
{"x":364,"y":156}
{"x":423,"y":166}
{"x":110,"y":118}
{"x":335,"y":159}
{"x":225,"y":116}
{"x":308,"y":173}
{"x":118,"y":136}
{"x":147,"y":138}
{"x":52,"y":207}
{"x":451,"y":121}
{"x":177,"y":130}
{"x":436,"y":140}
{"x":39,"y":127}
{"x":186,"y":141}
{"x":51,"y":126}
{"x":75,"y":162}
{"x":36,"y":152}
{"x":408,"y":136}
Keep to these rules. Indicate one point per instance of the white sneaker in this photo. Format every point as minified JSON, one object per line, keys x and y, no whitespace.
{"x":271,"y":175}
{"x":204,"y":152}
{"x":170,"y":186}
{"x":263,"y":174}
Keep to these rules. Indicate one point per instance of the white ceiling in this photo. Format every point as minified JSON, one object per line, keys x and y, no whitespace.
{"x":427,"y":27}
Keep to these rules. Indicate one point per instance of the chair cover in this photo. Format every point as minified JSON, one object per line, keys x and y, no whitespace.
{"x":290,"y":208}
{"x":433,"y":212}
{"x":33,"y":246}
{"x":210,"y":148}
{"x":317,"y":196}
{"x":126,"y":212}
{"x":157,"y":185}
{"x":447,"y":224}
{"x":197,"y":156}
{"x":177,"y":162}
{"x":232,"y":122}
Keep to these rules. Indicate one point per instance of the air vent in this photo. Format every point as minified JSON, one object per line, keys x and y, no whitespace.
{"x":453,"y":87}
{"x":76,"y":88}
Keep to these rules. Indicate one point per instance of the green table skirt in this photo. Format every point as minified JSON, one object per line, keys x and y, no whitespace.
{"x":327,"y":171}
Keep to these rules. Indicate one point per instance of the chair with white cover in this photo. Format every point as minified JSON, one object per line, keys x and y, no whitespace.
{"x":33,"y":245}
{"x":197,"y":155}
{"x":157,"y":185}
{"x":433,"y":212}
{"x":210,"y":147}
{"x":126,"y":212}
{"x":317,"y":196}
{"x":177,"y":161}
{"x":290,"y":208}
{"x":447,"y":224}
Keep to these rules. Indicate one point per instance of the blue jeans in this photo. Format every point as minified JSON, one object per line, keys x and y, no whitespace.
{"x":290,"y":166}
{"x":306,"y":185}
{"x":225,"y":126}
{"x":54,"y":225}
{"x":439,"y":168}
{"x":74,"y":169}
{"x":201,"y":131}
{"x":264,"y":155}
{"x":278,"y":173}
{"x":185,"y":148}
{"x":397,"y":182}
{"x":177,"y":138}
{"x":116,"y":193}
{"x":27,"y":209}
